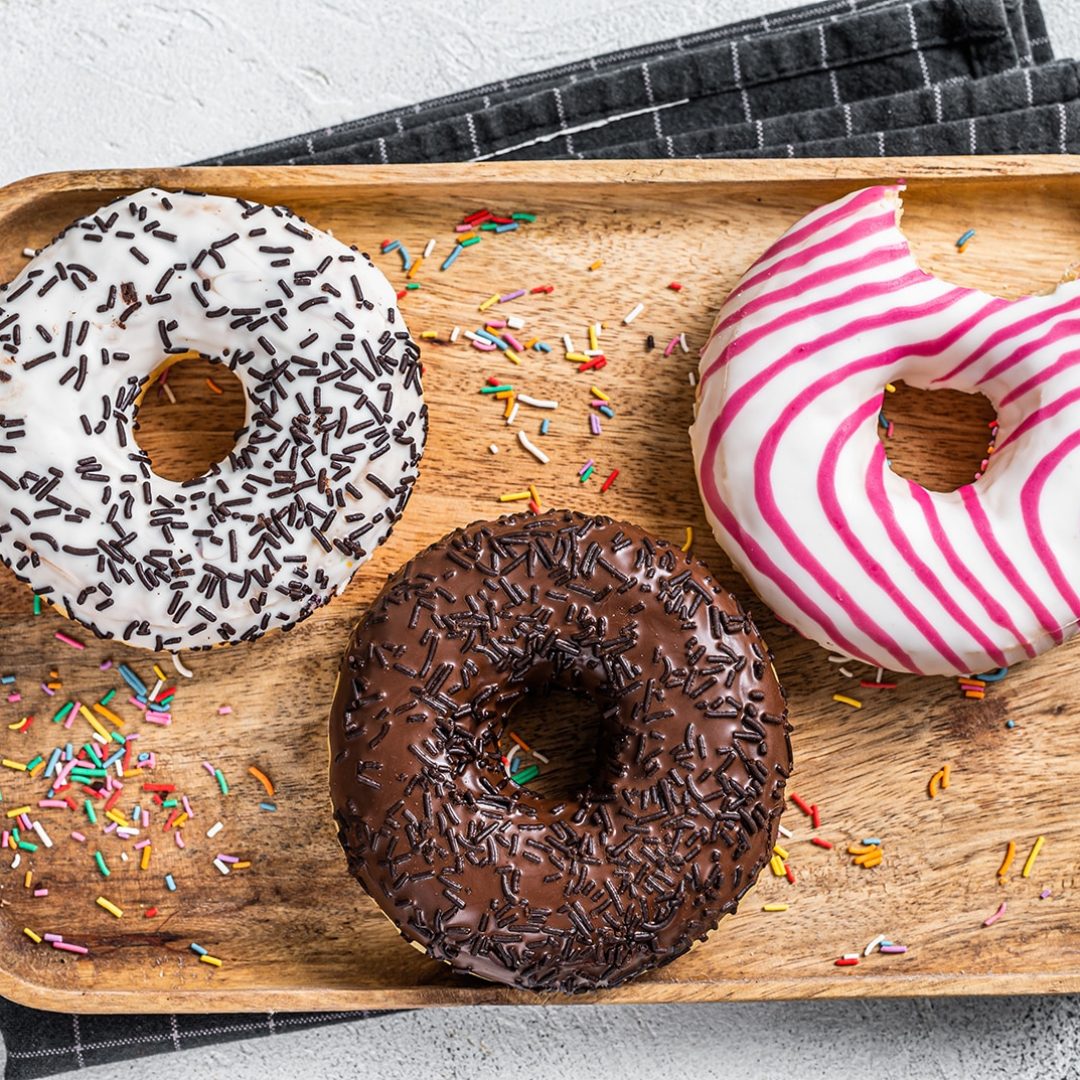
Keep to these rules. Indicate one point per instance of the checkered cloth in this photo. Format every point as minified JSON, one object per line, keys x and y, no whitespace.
{"x":870,"y":77}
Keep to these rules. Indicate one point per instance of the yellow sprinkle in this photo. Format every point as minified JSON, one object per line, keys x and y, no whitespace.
{"x":18,"y":809}
{"x":861,"y":849}
{"x":35,"y":938}
{"x":465,"y":236}
{"x":489,"y":301}
{"x":415,"y":266}
{"x":578,"y":357}
{"x":109,"y":906}
{"x":427,"y":335}
{"x":1034,"y":854}
{"x":108,"y":714}
{"x":535,"y":494}
{"x":777,"y":865}
{"x":510,"y":398}
{"x":598,"y":394}
{"x":37,"y":768}
{"x":206,"y":958}
{"x":160,"y":674}
{"x":144,"y":859}
{"x":689,"y":538}
{"x":511,"y":355}
{"x":240,"y":865}
{"x":9,"y":764}
{"x":115,"y":815}
{"x":774,"y":907}
{"x":778,"y":850}
{"x":891,"y":389}
{"x":596,"y":265}
{"x":93,"y":721}
{"x":868,"y":860}
{"x":1010,"y":854}
{"x":513,"y":496}
{"x":592,"y":337}
{"x":845,"y":700}
{"x":29,"y":876}
{"x":179,"y":822}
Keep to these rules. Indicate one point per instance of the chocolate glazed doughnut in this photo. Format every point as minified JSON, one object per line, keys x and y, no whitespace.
{"x":584,"y":892}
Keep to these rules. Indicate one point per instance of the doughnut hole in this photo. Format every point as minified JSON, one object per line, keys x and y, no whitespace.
{"x":565,"y":728}
{"x":939,"y":437}
{"x":185,"y":438}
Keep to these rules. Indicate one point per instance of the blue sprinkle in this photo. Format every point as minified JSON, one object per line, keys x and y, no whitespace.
{"x":144,"y":756}
{"x":608,"y":411}
{"x":267,"y":806}
{"x":392,"y":246}
{"x":994,"y":676}
{"x":405,"y":257}
{"x":871,"y":841}
{"x":542,"y":346}
{"x":169,"y":883}
{"x":506,"y":228}
{"x":133,"y":680}
{"x":493,"y":338}
{"x":965,"y":238}
{"x":544,"y":425}
{"x":54,"y":760}
{"x":1010,"y":723}
{"x":198,"y":949}
{"x":448,"y":261}
{"x":7,"y":679}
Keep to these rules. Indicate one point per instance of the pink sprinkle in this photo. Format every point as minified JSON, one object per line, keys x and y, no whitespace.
{"x":141,"y":844}
{"x":224,"y":710}
{"x":111,"y":827}
{"x":209,"y":768}
{"x":14,"y":697}
{"x":41,"y":892}
{"x":70,"y":719}
{"x":893,"y":950}
{"x":464,"y":228}
{"x":585,"y":468}
{"x":228,"y":858}
{"x":671,"y":346}
{"x":52,"y":804}
{"x":24,"y":821}
{"x":513,"y":342}
{"x":1044,"y":895}
{"x":53,"y":937}
{"x":511,"y":296}
{"x":60,"y":636}
{"x":594,"y":423}
{"x":161,"y":719}
{"x":889,"y":430}
{"x":137,"y":703}
{"x":80,"y":949}
{"x":997,"y":914}
{"x":48,"y":690}
{"x":78,"y":836}
{"x":496,"y":324}
{"x":105,"y":666}
{"x":187,"y":807}
{"x":483,"y":346}
{"x":179,"y":839}
{"x":4,"y":838}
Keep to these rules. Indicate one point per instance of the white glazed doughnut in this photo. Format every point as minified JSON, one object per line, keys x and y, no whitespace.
{"x":334,"y":427}
{"x":795,"y":481}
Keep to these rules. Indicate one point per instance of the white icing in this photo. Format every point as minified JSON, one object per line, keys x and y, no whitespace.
{"x":797,"y":362}
{"x":332,"y":395}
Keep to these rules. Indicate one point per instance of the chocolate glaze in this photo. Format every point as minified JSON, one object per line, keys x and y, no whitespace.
{"x":681,"y":813}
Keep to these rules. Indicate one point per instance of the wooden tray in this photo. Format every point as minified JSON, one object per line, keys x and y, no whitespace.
{"x":294,"y":931}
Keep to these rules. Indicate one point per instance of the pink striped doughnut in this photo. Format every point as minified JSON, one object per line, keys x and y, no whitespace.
{"x":795,"y":481}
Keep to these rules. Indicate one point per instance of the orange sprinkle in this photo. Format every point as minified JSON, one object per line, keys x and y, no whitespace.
{"x":214,"y":386}
{"x":521,"y":743}
{"x":1003,"y":869}
{"x":262,"y":778}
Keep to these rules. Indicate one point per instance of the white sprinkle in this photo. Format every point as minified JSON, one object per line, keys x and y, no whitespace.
{"x":871,"y":946}
{"x":513,"y":414}
{"x":537,"y":403}
{"x":838,"y":659}
{"x":568,"y":345}
{"x":880,"y":673}
{"x":846,"y":673}
{"x":179,"y":665}
{"x":154,"y":693}
{"x":850,"y":956}
{"x":126,"y":833}
{"x":15,"y":862}
{"x":429,"y":247}
{"x":476,"y":337}
{"x":692,"y":377}
{"x":221,"y":866}
{"x":123,"y":854}
{"x":28,"y":253}
{"x":534,"y":450}
{"x":594,"y":352}
{"x":454,"y":333}
{"x":40,"y":830}
{"x":168,"y":393}
{"x":598,"y":326}
{"x":682,"y":343}
{"x":632,"y":314}
{"x":97,"y":737}
{"x":214,"y":829}
{"x":493,"y":448}
{"x":785,"y":832}
{"x":515,"y":322}
{"x":540,"y":757}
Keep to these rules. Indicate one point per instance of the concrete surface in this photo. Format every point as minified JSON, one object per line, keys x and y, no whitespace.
{"x":97,"y":83}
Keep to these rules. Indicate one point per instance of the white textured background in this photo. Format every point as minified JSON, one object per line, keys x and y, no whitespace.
{"x":90,"y":83}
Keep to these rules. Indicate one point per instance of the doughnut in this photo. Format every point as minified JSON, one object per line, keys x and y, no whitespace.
{"x":796,"y":483}
{"x":334,"y":419}
{"x":567,"y":894}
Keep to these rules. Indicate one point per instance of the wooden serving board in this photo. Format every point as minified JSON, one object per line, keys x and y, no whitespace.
{"x":293,"y":930}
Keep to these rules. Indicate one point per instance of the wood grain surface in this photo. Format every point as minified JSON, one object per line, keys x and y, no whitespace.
{"x":294,"y":931}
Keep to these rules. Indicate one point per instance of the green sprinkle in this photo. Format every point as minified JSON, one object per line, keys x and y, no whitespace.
{"x":93,"y":755}
{"x":100,"y":860}
{"x":35,"y":763}
{"x":522,"y":216}
{"x":523,"y":776}
{"x":496,"y":389}
{"x":168,"y":804}
{"x":62,"y":714}
{"x":37,"y":604}
{"x":469,"y":243}
{"x":117,"y":737}
{"x":489,"y":226}
{"x":109,"y":696}
{"x":89,"y":774}
{"x":587,"y":473}
{"x":413,"y":285}
{"x":26,"y":845}
{"x":222,"y":782}
{"x":91,"y":813}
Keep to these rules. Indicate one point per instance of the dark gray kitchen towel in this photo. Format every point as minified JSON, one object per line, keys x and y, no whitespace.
{"x":869,"y":76}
